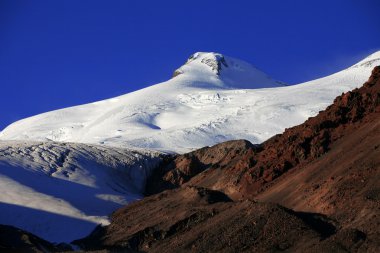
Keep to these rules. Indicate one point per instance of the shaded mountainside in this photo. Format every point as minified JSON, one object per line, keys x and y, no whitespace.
{"x":205,"y":200}
{"x":201,"y":220}
{"x":62,"y":191}
{"x":16,"y":240}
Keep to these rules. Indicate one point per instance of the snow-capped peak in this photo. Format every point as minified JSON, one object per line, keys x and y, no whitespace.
{"x":224,"y":71}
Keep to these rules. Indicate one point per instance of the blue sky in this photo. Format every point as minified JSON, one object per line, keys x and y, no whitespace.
{"x":55,"y":54}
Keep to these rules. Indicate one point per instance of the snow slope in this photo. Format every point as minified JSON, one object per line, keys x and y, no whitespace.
{"x":212,"y":98}
{"x":62,"y":191}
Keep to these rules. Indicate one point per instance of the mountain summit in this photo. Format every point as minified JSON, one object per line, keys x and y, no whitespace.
{"x":224,"y":71}
{"x":214,"y":61}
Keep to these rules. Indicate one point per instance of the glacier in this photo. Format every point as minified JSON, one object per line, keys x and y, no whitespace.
{"x":211,"y":98}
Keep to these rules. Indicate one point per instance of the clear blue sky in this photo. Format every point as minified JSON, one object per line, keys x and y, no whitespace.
{"x":55,"y":54}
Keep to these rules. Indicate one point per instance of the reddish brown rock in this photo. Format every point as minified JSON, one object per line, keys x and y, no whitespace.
{"x":329,"y":165}
{"x":193,"y":219}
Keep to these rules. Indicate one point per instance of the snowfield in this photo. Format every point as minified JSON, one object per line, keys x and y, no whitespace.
{"x":208,"y":101}
{"x":63,"y":172}
{"x":62,"y":191}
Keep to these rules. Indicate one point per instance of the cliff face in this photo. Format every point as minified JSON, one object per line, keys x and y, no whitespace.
{"x":205,"y":200}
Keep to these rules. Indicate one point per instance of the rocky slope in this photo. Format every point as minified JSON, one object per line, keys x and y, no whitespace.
{"x":328,"y":165}
{"x":343,"y":183}
{"x":201,"y":220}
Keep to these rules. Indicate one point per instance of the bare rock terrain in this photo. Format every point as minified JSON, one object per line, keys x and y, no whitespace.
{"x":314,"y":188}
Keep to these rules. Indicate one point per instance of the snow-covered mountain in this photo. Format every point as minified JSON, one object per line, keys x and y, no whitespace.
{"x":62,"y":191}
{"x":210,"y":99}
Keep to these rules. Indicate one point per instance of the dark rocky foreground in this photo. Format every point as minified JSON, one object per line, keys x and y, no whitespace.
{"x":16,"y":240}
{"x":314,"y":188}
{"x":201,"y":220}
